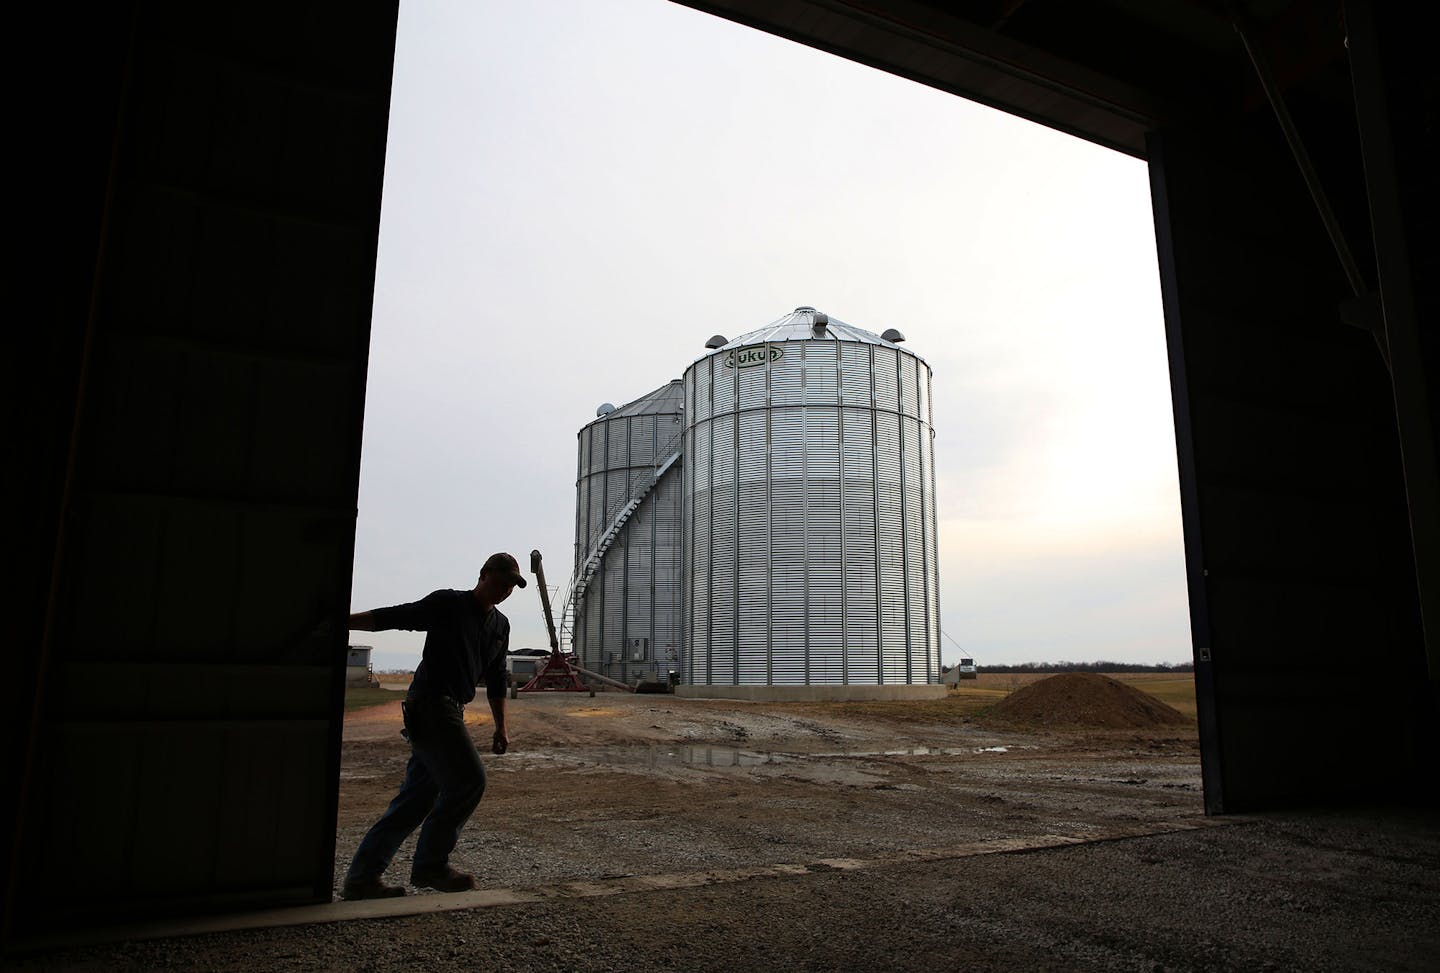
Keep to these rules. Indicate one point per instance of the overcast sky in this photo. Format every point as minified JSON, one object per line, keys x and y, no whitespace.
{"x":579,"y":193}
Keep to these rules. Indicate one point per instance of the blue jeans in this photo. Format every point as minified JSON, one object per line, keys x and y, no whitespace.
{"x":444,"y":782}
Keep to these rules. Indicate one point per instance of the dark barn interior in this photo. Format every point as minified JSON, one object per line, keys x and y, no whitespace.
{"x":200,"y":228}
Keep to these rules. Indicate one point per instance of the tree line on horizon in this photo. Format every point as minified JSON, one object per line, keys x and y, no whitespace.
{"x":1101,"y":666}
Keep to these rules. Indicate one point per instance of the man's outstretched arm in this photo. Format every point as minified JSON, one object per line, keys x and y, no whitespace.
{"x":413,"y":617}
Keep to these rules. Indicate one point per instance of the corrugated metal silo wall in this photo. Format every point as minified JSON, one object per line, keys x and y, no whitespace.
{"x":810,"y":518}
{"x":183,"y":747}
{"x":634,"y":593}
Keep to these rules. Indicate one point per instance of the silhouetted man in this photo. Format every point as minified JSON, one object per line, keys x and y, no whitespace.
{"x":466,"y":639}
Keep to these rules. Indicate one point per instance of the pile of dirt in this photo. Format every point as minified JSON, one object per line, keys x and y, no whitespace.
{"x":1083,"y":699}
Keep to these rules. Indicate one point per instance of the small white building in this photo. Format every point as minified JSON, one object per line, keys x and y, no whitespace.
{"x":358,"y":670}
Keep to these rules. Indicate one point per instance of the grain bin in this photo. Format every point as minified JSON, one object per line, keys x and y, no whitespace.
{"x":809,"y":501}
{"x":622,"y":614}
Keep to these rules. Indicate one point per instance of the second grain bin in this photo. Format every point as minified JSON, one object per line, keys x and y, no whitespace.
{"x":623,"y":612}
{"x":809,"y":501}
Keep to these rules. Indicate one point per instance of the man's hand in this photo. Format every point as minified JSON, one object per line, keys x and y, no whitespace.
{"x":500,"y":743}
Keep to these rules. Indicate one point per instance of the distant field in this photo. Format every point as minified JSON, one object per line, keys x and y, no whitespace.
{"x":361,"y":697}
{"x":1176,"y":689}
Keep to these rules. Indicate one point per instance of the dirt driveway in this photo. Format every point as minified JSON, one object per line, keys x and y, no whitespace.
{"x":639,"y":833}
{"x":632,"y":784}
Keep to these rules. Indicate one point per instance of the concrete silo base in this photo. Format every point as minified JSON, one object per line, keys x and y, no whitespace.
{"x":796,"y":694}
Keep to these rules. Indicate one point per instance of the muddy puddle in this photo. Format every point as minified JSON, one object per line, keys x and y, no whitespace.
{"x":921,"y":752}
{"x":714,"y":756}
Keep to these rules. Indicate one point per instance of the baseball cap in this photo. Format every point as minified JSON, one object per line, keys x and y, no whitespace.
{"x":506,"y":566}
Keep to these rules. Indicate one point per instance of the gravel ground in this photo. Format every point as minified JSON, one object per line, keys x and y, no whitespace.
{"x":645,"y":787}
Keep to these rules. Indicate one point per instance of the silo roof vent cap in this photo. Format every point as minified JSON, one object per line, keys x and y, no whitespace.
{"x":717,"y":341}
{"x":818,"y":319}
{"x":605,"y":409}
{"x":892,"y":336}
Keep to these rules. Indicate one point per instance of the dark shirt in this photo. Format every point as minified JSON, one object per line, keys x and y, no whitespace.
{"x":462,"y":645}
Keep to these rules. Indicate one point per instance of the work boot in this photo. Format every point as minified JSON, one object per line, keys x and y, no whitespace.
{"x":442,"y":879}
{"x":371,"y":887}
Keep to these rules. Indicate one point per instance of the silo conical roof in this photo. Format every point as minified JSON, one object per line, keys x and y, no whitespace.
{"x":668,"y":398}
{"x":800,"y":325}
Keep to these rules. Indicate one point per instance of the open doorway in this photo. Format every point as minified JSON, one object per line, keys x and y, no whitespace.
{"x":574,"y":203}
{"x":191,"y":435}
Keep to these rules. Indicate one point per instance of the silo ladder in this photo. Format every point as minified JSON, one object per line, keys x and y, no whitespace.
{"x":583,"y":577}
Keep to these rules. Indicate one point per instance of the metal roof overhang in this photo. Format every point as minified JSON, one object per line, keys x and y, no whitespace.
{"x":1107,"y":71}
{"x":952,"y":54}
